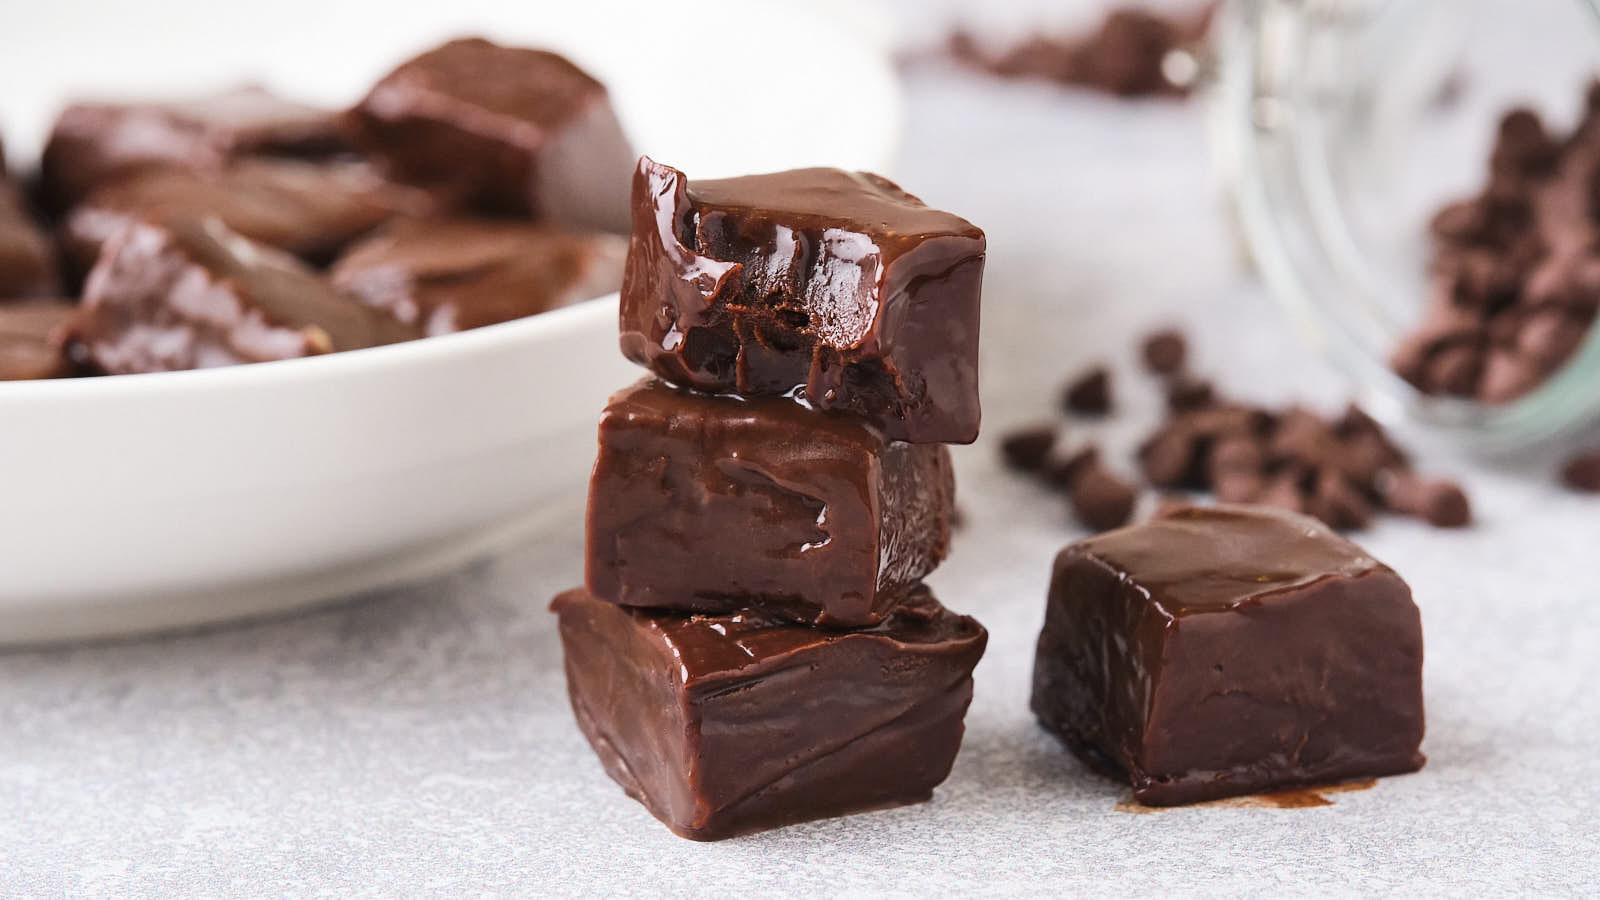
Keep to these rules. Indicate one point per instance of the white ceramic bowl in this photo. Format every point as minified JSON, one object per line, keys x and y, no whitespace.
{"x":135,"y":503}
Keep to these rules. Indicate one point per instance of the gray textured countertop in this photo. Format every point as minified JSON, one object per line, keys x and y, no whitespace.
{"x":418,"y":742}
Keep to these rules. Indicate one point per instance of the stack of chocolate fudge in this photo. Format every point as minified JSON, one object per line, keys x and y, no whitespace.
{"x":474,"y":184}
{"x":754,"y":645}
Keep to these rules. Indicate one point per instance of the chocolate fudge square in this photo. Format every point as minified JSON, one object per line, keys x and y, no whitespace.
{"x":96,"y":143}
{"x":31,"y":337}
{"x":27,"y":260}
{"x":838,"y":285}
{"x":452,"y":274}
{"x":191,"y":294}
{"x":724,"y":725}
{"x":1230,"y":650}
{"x":502,"y":129}
{"x":309,"y":209}
{"x":712,"y":503}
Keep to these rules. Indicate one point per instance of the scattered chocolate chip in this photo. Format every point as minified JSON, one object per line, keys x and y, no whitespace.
{"x":1439,"y":503}
{"x":1089,"y":394}
{"x":1100,"y":499}
{"x":1026,"y":449}
{"x":1165,"y":352}
{"x":1063,"y":473}
{"x":1186,"y":393}
{"x":1582,"y":472}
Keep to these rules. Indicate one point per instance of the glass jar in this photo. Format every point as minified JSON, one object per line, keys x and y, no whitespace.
{"x":1341,"y":126}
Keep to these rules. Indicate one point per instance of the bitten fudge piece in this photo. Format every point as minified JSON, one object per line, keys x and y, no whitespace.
{"x":504,"y":129}
{"x":192,"y":294}
{"x":446,"y":275}
{"x":711,"y":504}
{"x":724,"y":725}
{"x":31,"y":335}
{"x":309,"y":209}
{"x":27,"y":261}
{"x":93,"y":143}
{"x":1230,"y":650}
{"x":836,"y":283}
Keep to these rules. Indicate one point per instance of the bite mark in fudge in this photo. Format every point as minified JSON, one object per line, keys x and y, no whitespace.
{"x":192,"y":294}
{"x":27,"y":260}
{"x":714,"y":503}
{"x":1230,"y":650}
{"x":503,"y":129}
{"x":445,"y":275}
{"x":31,"y":337}
{"x":95,"y":143}
{"x":309,"y":209}
{"x":834,"y":285}
{"x":725,"y":725}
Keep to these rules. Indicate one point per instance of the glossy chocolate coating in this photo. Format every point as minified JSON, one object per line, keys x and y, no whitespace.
{"x":715,"y":503}
{"x":835,"y":283}
{"x":309,"y":209}
{"x":730,"y":724}
{"x":31,"y":337}
{"x":1230,"y":650}
{"x":192,"y":294}
{"x":27,"y":261}
{"x":446,"y":275}
{"x":95,"y":143}
{"x":502,"y":129}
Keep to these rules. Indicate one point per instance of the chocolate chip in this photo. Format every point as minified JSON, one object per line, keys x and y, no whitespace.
{"x":1100,"y":499}
{"x":1063,"y":472}
{"x":1439,"y":503}
{"x":1026,"y":449}
{"x":1168,"y":458}
{"x":1089,"y":394}
{"x":1338,"y":502}
{"x":1187,"y":393}
{"x":1582,"y":472}
{"x":1507,"y":376}
{"x":1454,"y":369}
{"x":1165,"y":352}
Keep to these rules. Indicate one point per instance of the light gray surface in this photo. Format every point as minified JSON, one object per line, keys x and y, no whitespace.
{"x":419,"y":742}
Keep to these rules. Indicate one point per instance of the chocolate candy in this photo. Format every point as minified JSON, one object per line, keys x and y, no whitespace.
{"x":1099,"y":498}
{"x":309,"y":209}
{"x":712,"y":504}
{"x":724,"y":725}
{"x":1089,"y":394}
{"x":1582,"y":472}
{"x":503,"y":129}
{"x":191,"y":294}
{"x":836,"y":285}
{"x":94,"y":143}
{"x":446,"y":275}
{"x":1230,"y":650}
{"x":31,"y":335}
{"x":27,"y":262}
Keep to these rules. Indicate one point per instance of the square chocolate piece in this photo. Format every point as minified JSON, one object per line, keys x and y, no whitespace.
{"x":31,"y":337}
{"x":309,"y":209}
{"x":724,"y":725}
{"x":835,"y":284}
{"x":27,"y":261}
{"x":191,"y":294}
{"x":96,"y":143}
{"x":711,"y":504}
{"x":446,"y":275}
{"x":503,"y":129}
{"x":1230,"y":650}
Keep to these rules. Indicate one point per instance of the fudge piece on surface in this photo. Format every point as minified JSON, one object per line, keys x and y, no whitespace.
{"x":191,"y":294}
{"x":1230,"y":650}
{"x":836,"y":285}
{"x":710,"y":503}
{"x":724,"y":725}
{"x":451,"y":274}
{"x":502,"y":129}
